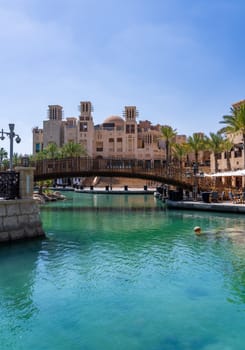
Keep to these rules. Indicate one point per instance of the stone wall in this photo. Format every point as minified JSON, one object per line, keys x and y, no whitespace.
{"x":19,"y":219}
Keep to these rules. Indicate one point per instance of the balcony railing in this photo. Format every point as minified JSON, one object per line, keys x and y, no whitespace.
{"x":9,"y":185}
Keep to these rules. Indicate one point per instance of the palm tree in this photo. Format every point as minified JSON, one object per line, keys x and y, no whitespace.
{"x":16,"y":159}
{"x":72,"y":149}
{"x":196,"y":144}
{"x":235,"y":124}
{"x":179,"y":152}
{"x":215,"y":144}
{"x":168,"y":134}
{"x":227,"y":146}
{"x":3,"y":155}
{"x":52,"y":150}
{"x":40,"y":155}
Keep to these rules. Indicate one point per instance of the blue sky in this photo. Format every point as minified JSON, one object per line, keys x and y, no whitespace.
{"x":181,"y":62}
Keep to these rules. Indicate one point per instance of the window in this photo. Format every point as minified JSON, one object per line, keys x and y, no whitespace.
{"x":238,"y":153}
{"x":84,"y":127}
{"x":99,"y":146}
{"x":70,"y":124}
{"x":130,"y":129}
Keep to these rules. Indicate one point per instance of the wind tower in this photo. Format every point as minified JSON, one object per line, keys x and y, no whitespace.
{"x":130,"y":113}
{"x":53,"y":127}
{"x":86,"y":126}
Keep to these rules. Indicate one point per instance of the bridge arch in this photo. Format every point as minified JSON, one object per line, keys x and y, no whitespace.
{"x":91,"y":167}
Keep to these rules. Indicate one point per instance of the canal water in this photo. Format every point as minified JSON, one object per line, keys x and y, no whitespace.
{"x":122,"y":272}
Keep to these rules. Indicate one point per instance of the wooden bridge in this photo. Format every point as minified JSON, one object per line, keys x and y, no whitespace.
{"x":128,"y":168}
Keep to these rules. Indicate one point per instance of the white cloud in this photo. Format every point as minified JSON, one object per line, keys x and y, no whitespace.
{"x":23,"y":38}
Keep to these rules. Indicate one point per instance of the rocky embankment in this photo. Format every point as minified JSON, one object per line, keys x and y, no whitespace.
{"x":44,"y":197}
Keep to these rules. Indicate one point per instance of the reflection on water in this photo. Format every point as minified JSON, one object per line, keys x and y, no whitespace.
{"x":116,"y":279}
{"x":100,"y":202}
{"x":18,"y":264}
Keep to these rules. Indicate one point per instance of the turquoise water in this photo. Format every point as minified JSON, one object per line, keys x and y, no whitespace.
{"x":121,"y":272}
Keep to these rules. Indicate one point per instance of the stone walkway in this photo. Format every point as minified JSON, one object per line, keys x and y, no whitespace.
{"x":116,"y":190}
{"x":225,"y":207}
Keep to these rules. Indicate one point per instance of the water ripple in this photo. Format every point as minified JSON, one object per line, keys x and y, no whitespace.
{"x":141,"y":276}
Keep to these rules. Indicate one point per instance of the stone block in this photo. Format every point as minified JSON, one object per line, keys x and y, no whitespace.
{"x":19,"y":220}
{"x":36,"y":209}
{"x":17,"y":234}
{"x":13,"y":209}
{"x":39,"y":230}
{"x":28,"y":207}
{"x":10,"y":222}
{"x":30,"y":231}
{"x":23,"y":219}
{"x":2,"y":208}
{"x":25,"y":208}
{"x":33,"y":219}
{"x":34,"y":231}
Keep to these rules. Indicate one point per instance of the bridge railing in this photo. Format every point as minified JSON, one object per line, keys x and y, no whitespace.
{"x":76,"y":164}
{"x":9,"y":185}
{"x":64,"y":167}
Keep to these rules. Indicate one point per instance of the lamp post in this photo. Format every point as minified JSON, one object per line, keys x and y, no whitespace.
{"x":195,"y":174}
{"x":11,"y":134}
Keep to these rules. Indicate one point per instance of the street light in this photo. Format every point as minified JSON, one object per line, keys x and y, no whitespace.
{"x":11,"y":134}
{"x":195,"y":174}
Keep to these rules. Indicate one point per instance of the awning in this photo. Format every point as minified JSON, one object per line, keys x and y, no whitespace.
{"x":227,"y":173}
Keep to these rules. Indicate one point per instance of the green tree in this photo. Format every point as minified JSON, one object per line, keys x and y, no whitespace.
{"x":196,"y":144}
{"x":5,"y":164}
{"x":17,"y":159}
{"x":49,"y":152}
{"x":52,"y":151}
{"x":168,"y":135}
{"x":227,"y":146}
{"x":3,"y":155}
{"x":179,"y":153}
{"x":215,"y":144}
{"x":235,"y":124}
{"x":40,"y":155}
{"x":72,"y":149}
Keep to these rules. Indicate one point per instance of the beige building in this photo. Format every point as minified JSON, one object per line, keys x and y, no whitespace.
{"x":232,"y":159}
{"x":117,"y":137}
{"x":52,"y":132}
{"x":235,"y":156}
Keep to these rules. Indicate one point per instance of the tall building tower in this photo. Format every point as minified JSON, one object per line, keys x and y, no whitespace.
{"x":37,"y":140}
{"x":53,"y":127}
{"x":55,"y":112}
{"x":130,"y":113}
{"x":70,"y":130}
{"x":86,"y":126}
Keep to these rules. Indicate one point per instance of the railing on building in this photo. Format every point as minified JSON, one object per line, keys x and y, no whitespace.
{"x":9,"y":185}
